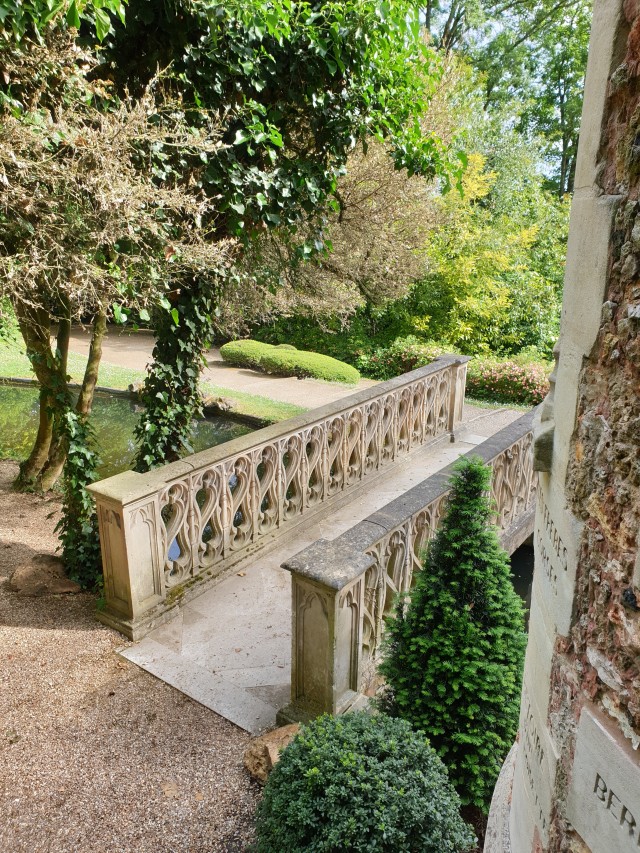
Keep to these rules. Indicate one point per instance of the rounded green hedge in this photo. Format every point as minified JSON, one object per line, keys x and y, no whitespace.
{"x":360,"y":782}
{"x":284,"y":360}
{"x":244,"y":353}
{"x":308,"y":364}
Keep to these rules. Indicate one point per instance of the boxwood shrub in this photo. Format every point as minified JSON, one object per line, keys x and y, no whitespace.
{"x":244,"y":353}
{"x":302,"y":364}
{"x":360,"y":782}
{"x":285,"y":360}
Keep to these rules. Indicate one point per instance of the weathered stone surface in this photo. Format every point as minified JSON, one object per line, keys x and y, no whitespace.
{"x":264,"y":752}
{"x":535,"y":779}
{"x":44,"y":575}
{"x":604,"y":794}
{"x":217,"y":405}
{"x":586,"y":584}
{"x":497,"y":837}
{"x":555,"y":542}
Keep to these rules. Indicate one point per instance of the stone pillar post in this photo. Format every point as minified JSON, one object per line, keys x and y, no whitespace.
{"x":572,"y":784}
{"x":130,"y":539}
{"x":327,"y":607}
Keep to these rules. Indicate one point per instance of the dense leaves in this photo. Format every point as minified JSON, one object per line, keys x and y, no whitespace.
{"x":286,"y":360}
{"x":78,"y":525}
{"x":295,"y":86}
{"x":171,"y":394}
{"x":360,"y":783}
{"x":455,"y":650}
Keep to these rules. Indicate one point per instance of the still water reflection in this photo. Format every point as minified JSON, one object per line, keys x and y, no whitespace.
{"x":113,"y":418}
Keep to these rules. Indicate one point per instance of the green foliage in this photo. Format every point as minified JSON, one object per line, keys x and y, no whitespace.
{"x":360,"y":782}
{"x":29,"y":18}
{"x":401,"y":356}
{"x":531,"y":55}
{"x":171,"y":394}
{"x":454,"y":655}
{"x":329,"y":336}
{"x":78,"y":525}
{"x":298,"y":84}
{"x":535,"y":65}
{"x":491,"y":286}
{"x":508,"y":381}
{"x":308,"y":364}
{"x":244,"y":353}
{"x":286,"y":360}
{"x":9,"y":331}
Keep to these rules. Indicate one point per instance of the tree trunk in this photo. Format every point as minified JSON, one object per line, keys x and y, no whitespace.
{"x":34,"y":326}
{"x":85,"y":398}
{"x":52,"y":468}
{"x":58,"y":452}
{"x":46,"y":461}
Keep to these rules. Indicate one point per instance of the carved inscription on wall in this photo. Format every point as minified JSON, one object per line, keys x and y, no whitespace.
{"x":604,"y":795}
{"x":539,"y":761}
{"x":551,"y":550}
{"x":556,"y":537}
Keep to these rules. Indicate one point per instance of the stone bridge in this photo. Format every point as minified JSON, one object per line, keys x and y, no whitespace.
{"x":192,"y":551}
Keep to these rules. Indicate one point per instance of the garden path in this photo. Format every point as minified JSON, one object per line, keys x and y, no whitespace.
{"x":133,"y":349}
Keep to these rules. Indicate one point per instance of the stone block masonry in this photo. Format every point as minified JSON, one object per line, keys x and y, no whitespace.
{"x":576,"y":779}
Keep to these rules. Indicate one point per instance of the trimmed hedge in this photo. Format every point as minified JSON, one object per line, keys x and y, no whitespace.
{"x":360,"y":783}
{"x":288,"y":361}
{"x":244,"y":353}
{"x":308,"y":364}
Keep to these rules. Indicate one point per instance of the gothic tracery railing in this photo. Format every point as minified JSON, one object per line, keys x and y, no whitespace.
{"x":187,"y":521}
{"x":373,"y":567}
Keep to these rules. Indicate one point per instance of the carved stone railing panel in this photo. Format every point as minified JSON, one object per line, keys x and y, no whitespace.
{"x":215,"y":506}
{"x":385,"y":564}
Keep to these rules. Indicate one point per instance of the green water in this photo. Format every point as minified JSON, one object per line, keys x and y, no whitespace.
{"x":113,"y":419}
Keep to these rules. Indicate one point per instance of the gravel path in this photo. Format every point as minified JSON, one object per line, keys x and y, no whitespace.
{"x":95,"y":754}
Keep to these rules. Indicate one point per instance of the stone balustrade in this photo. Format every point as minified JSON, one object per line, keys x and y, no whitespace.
{"x":167,"y":534}
{"x":343,"y":589}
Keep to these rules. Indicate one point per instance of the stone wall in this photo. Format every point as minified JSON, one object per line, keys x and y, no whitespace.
{"x":572,"y":783}
{"x":599,"y":662}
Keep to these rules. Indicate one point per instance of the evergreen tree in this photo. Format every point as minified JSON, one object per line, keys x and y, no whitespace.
{"x":454,"y":652}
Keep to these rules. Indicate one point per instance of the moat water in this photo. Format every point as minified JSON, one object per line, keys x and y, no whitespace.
{"x":113,"y":419}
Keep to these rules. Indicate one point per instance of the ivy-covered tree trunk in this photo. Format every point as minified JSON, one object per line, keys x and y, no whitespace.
{"x":171,"y":395}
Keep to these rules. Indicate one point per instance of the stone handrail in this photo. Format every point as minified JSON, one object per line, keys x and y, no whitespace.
{"x":343,"y":589}
{"x":166,"y":533}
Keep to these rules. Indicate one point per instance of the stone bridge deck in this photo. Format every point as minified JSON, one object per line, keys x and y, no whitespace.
{"x":230,"y":648}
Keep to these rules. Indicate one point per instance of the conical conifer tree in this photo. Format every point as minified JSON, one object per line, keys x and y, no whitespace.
{"x":454,"y":653}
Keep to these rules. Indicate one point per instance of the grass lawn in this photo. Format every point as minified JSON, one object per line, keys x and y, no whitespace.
{"x":15,"y":364}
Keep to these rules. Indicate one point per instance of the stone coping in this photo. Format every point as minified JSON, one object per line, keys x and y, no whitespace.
{"x":131,"y":486}
{"x":338,"y":562}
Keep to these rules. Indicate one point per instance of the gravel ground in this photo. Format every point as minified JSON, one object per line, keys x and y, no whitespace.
{"x":95,"y":754}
